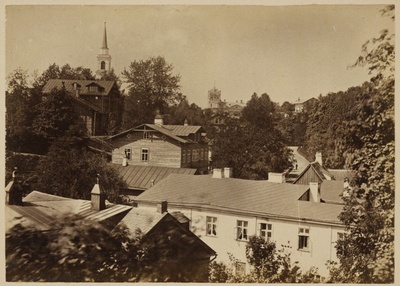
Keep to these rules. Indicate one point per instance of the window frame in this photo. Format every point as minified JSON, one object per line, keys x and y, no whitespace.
{"x":211,"y":225}
{"x":128,"y":153}
{"x":183,"y":156}
{"x":267,"y":231}
{"x":304,"y":239}
{"x":145,"y":154}
{"x":242,"y":230}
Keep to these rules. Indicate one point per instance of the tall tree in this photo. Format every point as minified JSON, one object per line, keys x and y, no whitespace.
{"x":367,"y":252}
{"x":69,"y":170}
{"x":152,"y":86}
{"x":191,"y":112}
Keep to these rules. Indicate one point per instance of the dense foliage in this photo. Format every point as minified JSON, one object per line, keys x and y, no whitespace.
{"x":78,"y":250}
{"x":268,"y":265}
{"x":152,"y":87}
{"x":253,"y":147}
{"x":69,"y":170}
{"x":367,"y":252}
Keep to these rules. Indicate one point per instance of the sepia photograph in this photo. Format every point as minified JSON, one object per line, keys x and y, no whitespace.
{"x":199,"y":142}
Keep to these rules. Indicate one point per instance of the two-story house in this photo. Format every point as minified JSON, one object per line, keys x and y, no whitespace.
{"x":175,"y":146}
{"x":96,"y":103}
{"x":224,"y":212}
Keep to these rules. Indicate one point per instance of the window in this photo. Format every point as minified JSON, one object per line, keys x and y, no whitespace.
{"x":240,"y":268}
{"x":145,"y":155}
{"x":211,"y":229}
{"x":188,"y":155}
{"x":304,"y":237}
{"x":93,"y":88}
{"x":146,"y":135}
{"x":265,"y":230}
{"x":103,"y":65}
{"x":184,"y":156}
{"x":128,"y":153}
{"x":194,"y":158}
{"x":241,"y":227}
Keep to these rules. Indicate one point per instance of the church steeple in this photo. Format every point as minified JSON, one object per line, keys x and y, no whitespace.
{"x":104,"y":59}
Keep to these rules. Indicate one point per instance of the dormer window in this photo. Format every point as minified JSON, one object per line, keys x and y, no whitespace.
{"x":93,"y":88}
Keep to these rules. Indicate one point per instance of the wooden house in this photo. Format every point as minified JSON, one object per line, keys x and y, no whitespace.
{"x":95,"y":102}
{"x":175,"y":146}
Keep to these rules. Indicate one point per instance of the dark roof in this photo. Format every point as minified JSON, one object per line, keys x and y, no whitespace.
{"x":143,"y":177}
{"x":173,"y":131}
{"x":236,"y":195}
{"x":42,"y":209}
{"x":146,"y":221}
{"x":68,"y":83}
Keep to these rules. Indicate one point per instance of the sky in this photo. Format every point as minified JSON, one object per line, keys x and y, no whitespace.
{"x":288,"y":52}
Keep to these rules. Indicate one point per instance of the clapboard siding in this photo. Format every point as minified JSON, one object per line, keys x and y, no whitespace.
{"x":309,"y":176}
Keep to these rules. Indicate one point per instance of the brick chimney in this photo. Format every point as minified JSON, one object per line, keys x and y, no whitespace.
{"x":318,"y":157}
{"x":98,"y":197}
{"x":14,"y":191}
{"x":186,"y":122}
{"x":162,"y":207}
{"x":276,"y":177}
{"x":218,"y":173}
{"x":315,"y":194}
{"x":77,"y":88}
{"x":159,"y":119}
{"x":227,"y":172}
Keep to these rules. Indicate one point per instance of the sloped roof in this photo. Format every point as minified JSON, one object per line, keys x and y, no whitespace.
{"x":341,"y":174}
{"x":42,"y":209}
{"x":321,"y":172}
{"x":331,"y":191}
{"x":252,"y":197}
{"x":172,"y":131}
{"x":143,"y":177}
{"x":68,"y":83}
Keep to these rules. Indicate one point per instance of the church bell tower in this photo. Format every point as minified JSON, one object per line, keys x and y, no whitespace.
{"x":104,"y":59}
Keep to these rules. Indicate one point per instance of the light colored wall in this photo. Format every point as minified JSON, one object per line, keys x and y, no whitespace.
{"x":322,"y":238}
{"x":161,"y":152}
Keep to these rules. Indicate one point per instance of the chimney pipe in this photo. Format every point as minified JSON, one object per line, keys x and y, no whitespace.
{"x":162,"y":207}
{"x":186,"y":122}
{"x":318,"y":157}
{"x":315,"y":194}
{"x":159,"y":120}
{"x":98,"y":199}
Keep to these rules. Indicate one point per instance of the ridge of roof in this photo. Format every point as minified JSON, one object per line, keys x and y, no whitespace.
{"x":68,"y":83}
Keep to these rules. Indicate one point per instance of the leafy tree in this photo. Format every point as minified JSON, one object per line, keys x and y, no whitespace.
{"x":261,"y":148}
{"x":191,"y":112}
{"x":152,"y":86}
{"x":69,"y":170}
{"x":367,"y":253}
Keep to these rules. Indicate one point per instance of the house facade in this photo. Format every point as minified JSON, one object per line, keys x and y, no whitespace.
{"x":225,"y":212}
{"x":96,"y":103}
{"x":176,"y":146}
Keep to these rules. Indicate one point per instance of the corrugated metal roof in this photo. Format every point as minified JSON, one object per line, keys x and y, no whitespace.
{"x":143,"y":177}
{"x":44,"y":209}
{"x":68,"y":83}
{"x":242,"y":195}
{"x":142,"y":219}
{"x":182,"y":130}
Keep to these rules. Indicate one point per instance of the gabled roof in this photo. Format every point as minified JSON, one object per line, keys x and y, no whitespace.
{"x":42,"y":209}
{"x":320,"y":171}
{"x":237,"y":195}
{"x":143,"y":177}
{"x":172,"y":131}
{"x":68,"y":83}
{"x":147,"y":221}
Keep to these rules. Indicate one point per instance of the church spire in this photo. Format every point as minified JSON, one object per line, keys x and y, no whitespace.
{"x":105,"y":38}
{"x":104,"y":58}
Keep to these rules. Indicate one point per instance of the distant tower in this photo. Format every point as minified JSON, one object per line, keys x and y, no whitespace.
{"x":104,"y":59}
{"x":214,"y":98}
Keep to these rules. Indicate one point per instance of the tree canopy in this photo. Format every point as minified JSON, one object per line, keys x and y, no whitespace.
{"x":152,"y":86}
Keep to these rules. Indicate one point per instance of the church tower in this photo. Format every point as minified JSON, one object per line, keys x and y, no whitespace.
{"x":214,"y":98}
{"x":104,"y":59}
